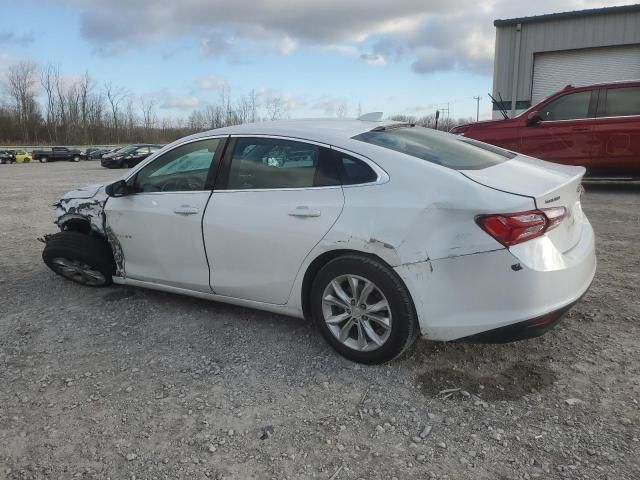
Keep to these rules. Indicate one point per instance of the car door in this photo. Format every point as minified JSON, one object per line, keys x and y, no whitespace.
{"x":617,"y":132}
{"x":158,"y":225}
{"x":565,"y":133}
{"x":274,"y":200}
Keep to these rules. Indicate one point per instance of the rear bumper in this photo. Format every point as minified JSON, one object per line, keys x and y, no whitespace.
{"x":497,"y":294}
{"x":521,"y":330}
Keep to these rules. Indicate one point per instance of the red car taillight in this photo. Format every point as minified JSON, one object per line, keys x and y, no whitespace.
{"x":513,"y":228}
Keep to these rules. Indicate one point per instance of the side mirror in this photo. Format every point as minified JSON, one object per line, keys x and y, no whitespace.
{"x":534,"y":118}
{"x":117,"y":189}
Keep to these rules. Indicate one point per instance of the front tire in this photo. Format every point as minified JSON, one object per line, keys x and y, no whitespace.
{"x":75,"y":159}
{"x":363,"y":309}
{"x":81,"y":258}
{"x":44,"y":159}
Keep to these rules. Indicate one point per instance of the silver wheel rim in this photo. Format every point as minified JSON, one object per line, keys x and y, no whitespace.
{"x":77,"y":271}
{"x":356,"y":312}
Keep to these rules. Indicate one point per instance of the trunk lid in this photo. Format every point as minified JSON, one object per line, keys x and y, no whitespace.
{"x":548,"y":184}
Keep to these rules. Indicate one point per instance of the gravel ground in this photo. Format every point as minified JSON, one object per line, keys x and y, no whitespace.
{"x":124,"y":383}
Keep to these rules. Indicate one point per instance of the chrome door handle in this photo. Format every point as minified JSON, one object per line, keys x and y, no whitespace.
{"x":186,"y":210}
{"x":304,"y":212}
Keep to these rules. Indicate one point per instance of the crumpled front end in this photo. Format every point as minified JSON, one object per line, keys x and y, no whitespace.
{"x":85,"y":204}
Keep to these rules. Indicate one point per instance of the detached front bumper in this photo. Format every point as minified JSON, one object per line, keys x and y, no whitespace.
{"x":497,"y":294}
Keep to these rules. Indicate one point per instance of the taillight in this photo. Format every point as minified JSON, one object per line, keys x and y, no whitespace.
{"x":513,"y":228}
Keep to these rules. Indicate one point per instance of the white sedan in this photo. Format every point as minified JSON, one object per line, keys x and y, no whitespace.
{"x":377,"y":230}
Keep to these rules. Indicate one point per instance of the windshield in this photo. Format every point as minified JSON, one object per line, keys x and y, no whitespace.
{"x":452,"y":151}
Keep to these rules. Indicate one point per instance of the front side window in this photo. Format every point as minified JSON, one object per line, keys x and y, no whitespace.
{"x":622,"y":102}
{"x":568,"y":107}
{"x":263,"y":163}
{"x":185,"y":168}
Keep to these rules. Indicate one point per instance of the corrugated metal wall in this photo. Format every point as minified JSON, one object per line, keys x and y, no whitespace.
{"x":607,"y":29}
{"x":553,"y":71}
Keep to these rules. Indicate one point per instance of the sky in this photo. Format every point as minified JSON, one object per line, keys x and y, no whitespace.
{"x":401,"y":57}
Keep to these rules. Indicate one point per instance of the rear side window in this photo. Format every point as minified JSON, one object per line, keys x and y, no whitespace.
{"x":436,"y":147}
{"x":568,"y":107}
{"x":267,"y":163}
{"x":622,"y":102}
{"x":353,"y":171}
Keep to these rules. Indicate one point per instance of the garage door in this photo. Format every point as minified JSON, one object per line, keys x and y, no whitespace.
{"x":552,"y":71}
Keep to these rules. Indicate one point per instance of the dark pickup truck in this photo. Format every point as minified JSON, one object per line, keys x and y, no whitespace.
{"x":57,"y":153}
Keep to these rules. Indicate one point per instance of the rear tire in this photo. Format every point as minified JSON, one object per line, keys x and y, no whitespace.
{"x":44,"y":159}
{"x":81,"y":258}
{"x":384,"y":316}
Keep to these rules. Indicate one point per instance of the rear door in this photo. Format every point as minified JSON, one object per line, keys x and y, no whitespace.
{"x":617,"y":133}
{"x":565,"y":134}
{"x":274,"y":200}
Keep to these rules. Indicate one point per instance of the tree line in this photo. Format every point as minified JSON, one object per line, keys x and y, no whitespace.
{"x":41,"y":106}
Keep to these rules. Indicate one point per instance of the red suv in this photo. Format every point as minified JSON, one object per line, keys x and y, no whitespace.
{"x":596,"y":126}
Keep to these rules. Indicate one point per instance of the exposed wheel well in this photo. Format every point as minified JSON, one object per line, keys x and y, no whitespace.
{"x":317,"y":264}
{"x":79,"y":225}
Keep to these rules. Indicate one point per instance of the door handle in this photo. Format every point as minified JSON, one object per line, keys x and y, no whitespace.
{"x":304,"y":212}
{"x":186,"y":210}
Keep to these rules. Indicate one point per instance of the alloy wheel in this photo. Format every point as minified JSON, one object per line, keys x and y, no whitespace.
{"x":78,"y":271}
{"x":356,"y":312}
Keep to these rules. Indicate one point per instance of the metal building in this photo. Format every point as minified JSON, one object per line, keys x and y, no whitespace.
{"x":537,"y":56}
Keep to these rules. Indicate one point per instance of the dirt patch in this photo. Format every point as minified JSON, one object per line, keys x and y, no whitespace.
{"x":512,"y":383}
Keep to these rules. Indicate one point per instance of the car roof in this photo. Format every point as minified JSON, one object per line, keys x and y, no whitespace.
{"x":320,"y":130}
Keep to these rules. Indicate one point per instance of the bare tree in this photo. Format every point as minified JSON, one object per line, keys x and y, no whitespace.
{"x":342,"y":109}
{"x":21,"y":87}
{"x":275,"y":107}
{"x":147,"y":105}
{"x":115,"y":96}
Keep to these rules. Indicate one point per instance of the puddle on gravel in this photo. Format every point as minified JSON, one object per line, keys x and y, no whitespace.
{"x":511,"y":384}
{"x":118,"y":295}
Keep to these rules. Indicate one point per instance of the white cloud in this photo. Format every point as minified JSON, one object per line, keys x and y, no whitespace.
{"x":180,"y":103}
{"x":212,"y":82}
{"x":436,"y":35}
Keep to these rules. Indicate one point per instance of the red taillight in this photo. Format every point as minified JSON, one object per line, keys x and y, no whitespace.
{"x":513,"y":228}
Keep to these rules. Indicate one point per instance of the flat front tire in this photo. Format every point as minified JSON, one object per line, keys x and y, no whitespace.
{"x":80,"y":258}
{"x":363,"y":309}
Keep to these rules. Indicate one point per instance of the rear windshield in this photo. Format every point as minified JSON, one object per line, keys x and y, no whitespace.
{"x":453,"y":151}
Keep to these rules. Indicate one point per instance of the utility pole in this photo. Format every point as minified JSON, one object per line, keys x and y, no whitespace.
{"x":477,"y":99}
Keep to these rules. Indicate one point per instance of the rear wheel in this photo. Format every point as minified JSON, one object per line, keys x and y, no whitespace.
{"x":80,"y":258}
{"x":44,"y":159}
{"x":363,"y":309}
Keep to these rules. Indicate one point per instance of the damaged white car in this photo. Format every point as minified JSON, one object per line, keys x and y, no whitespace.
{"x":377,"y":230}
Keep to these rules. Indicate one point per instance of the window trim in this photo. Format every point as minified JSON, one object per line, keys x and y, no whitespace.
{"x":214,"y":168}
{"x":222,"y":180}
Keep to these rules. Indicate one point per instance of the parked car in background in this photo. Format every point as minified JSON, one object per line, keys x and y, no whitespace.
{"x":57,"y":153}
{"x":377,"y":230}
{"x":6,"y":157}
{"x":97,"y":153}
{"x":129,"y":156}
{"x":21,"y":156}
{"x":597,"y":127}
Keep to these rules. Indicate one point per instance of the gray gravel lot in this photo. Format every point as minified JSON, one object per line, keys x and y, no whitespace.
{"x":124,"y":383}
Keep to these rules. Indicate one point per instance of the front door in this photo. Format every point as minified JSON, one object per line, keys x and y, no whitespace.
{"x":565,"y":134}
{"x":277,"y":201}
{"x":158,"y":225}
